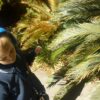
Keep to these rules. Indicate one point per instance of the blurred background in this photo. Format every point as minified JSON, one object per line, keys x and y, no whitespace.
{"x":68,"y":31}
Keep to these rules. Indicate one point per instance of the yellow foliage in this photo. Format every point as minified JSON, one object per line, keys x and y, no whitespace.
{"x":41,"y":30}
{"x":51,"y":4}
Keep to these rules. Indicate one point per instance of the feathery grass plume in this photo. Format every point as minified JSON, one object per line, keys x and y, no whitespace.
{"x":79,"y":46}
{"x":50,"y":4}
{"x":1,"y":3}
{"x":89,"y":46}
{"x":85,"y":69}
{"x":65,"y":44}
{"x":73,"y":37}
{"x":40,"y":10}
{"x":40,"y":31}
{"x":73,"y":12}
{"x":76,"y":75}
{"x":53,"y":4}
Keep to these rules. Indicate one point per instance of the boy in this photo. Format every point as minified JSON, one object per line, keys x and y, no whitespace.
{"x":16,"y":81}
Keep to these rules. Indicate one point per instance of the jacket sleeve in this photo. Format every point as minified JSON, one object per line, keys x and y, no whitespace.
{"x":30,"y":56}
{"x":3,"y":91}
{"x":37,"y":83}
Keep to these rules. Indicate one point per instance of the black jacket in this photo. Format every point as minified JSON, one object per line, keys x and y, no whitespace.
{"x":17,"y":83}
{"x":14,"y":84}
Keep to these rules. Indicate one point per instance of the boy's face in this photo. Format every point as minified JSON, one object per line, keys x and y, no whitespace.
{"x":7,"y":51}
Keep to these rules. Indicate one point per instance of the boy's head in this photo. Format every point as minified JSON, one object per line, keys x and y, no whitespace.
{"x":5,"y":32}
{"x":7,"y":51}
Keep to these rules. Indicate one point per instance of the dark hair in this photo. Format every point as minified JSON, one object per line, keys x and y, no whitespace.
{"x":10,"y":36}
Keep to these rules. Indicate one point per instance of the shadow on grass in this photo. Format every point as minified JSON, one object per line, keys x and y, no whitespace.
{"x":74,"y":92}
